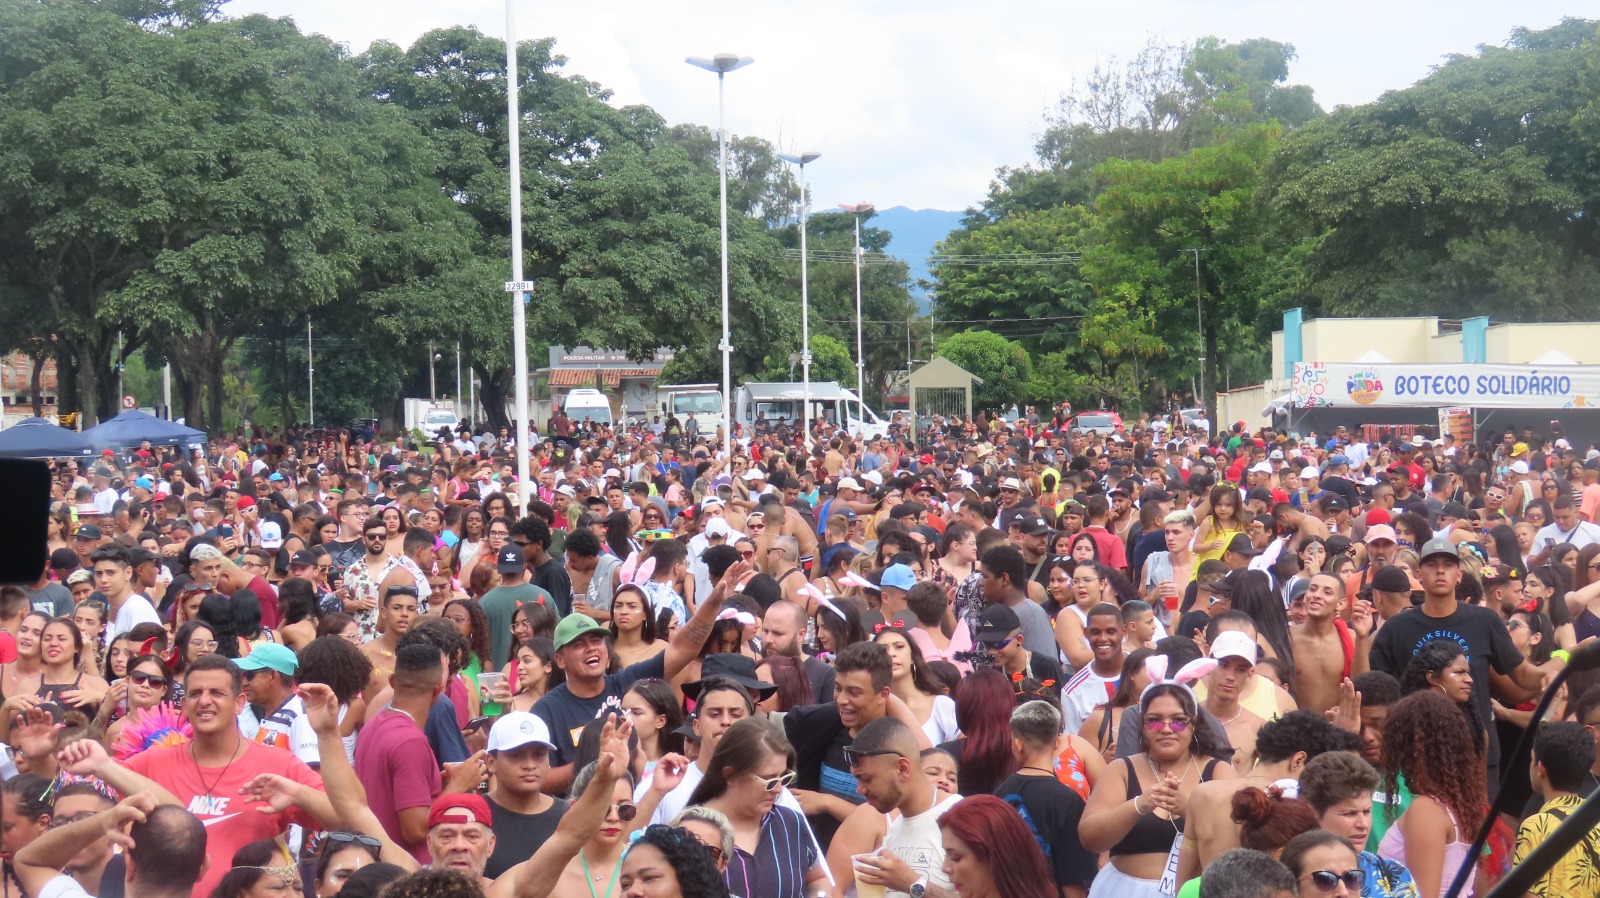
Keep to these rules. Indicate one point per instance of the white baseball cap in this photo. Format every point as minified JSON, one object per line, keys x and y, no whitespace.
{"x":271,"y":535}
{"x":1519,"y":467}
{"x":1261,"y":467}
{"x":849,"y":483}
{"x":517,"y":729}
{"x":1232,"y":644}
{"x":717,"y":527}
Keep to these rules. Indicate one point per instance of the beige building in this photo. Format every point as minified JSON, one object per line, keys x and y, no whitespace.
{"x":1415,"y":341}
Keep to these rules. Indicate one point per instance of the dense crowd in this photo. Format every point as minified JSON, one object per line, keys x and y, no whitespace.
{"x":995,"y":658}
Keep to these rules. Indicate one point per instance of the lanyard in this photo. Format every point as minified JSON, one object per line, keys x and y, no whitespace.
{"x":589,"y":877}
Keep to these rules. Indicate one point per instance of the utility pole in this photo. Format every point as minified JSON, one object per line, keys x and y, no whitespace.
{"x":1200,"y":328}
{"x":311,"y":380}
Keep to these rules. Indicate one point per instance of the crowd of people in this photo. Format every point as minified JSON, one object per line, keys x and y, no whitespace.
{"x":994,"y":659}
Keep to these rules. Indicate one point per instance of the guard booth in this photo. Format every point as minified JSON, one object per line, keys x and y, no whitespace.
{"x":940,"y":387}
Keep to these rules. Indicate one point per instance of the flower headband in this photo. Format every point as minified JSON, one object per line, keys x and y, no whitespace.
{"x":1155,"y":667}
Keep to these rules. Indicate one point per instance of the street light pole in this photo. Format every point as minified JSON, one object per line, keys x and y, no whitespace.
{"x":722,"y":64}
{"x":805,"y":298}
{"x":311,"y":380}
{"x":861,"y":359}
{"x":516,"y":286}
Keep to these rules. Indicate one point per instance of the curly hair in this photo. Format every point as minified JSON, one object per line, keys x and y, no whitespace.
{"x":1434,"y":656}
{"x":478,"y":639}
{"x":336,"y":663}
{"x":690,"y":860}
{"x":1422,"y":742}
{"x":1203,"y":743}
{"x":431,"y":883}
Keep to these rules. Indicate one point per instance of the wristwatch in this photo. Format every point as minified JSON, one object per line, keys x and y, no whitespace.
{"x":919,"y":888}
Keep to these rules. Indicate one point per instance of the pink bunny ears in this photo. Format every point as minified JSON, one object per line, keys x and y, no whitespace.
{"x":1155,"y":667}
{"x":743,"y":617}
{"x":851,"y":578}
{"x":635,"y":572}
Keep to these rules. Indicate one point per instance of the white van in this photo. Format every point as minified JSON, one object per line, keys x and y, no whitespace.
{"x":780,"y":403}
{"x":588,"y":405}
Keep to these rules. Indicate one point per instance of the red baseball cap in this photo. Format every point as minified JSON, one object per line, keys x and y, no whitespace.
{"x":459,"y":807}
{"x":245,"y":502}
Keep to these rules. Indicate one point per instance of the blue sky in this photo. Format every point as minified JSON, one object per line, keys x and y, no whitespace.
{"x":917,"y":103}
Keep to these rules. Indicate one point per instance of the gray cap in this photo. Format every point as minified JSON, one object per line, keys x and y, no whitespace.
{"x":1438,"y":547}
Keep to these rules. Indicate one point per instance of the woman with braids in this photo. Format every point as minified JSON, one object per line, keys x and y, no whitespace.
{"x":1136,"y":811}
{"x":669,"y":862}
{"x":1422,"y":745}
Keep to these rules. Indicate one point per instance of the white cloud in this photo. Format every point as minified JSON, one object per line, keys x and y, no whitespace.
{"x":917,"y":103}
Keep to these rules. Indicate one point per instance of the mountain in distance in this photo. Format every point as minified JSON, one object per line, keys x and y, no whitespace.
{"x":913,"y":233}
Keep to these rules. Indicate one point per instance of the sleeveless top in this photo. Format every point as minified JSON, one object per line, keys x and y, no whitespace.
{"x":1393,"y":846}
{"x":1151,"y":834}
{"x":51,"y":692}
{"x":1225,"y":535}
{"x":1587,"y":624}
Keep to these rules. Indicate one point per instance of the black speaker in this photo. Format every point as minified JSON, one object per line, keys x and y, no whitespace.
{"x":23,"y":526}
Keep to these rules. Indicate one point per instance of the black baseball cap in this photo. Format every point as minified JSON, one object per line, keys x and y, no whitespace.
{"x":303,"y":558}
{"x":510,"y":560}
{"x":1241,"y":545}
{"x":87,"y":531}
{"x":996,"y":623}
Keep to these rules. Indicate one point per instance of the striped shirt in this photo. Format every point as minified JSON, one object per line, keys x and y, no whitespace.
{"x":783,"y":856}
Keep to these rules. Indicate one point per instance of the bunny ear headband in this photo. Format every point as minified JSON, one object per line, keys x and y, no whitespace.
{"x":1155,"y":667}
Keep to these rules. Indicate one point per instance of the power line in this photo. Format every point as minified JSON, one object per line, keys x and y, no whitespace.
{"x":943,"y":259}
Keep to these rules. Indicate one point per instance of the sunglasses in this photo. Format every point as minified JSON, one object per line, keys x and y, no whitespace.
{"x":377,"y":536}
{"x":337,"y":841}
{"x":773,"y":783}
{"x":144,"y":679}
{"x":1176,"y":725}
{"x":749,"y":554}
{"x":626,"y":811}
{"x":853,"y":758}
{"x":1327,"y":880}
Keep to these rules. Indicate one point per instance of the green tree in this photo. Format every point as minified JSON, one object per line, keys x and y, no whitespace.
{"x":831,"y":360}
{"x":1002,"y":364}
{"x":1473,"y":192}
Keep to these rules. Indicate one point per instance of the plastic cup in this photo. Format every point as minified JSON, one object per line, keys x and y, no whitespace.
{"x":863,"y":889}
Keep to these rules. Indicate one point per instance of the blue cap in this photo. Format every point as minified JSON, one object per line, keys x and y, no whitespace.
{"x":898,"y":576}
{"x":274,"y":477}
{"x":145,"y":482}
{"x":1338,"y":460}
{"x":270,"y":656}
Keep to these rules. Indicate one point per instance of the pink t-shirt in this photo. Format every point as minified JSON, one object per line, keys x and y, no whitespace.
{"x":232,"y":821}
{"x":398,"y":769}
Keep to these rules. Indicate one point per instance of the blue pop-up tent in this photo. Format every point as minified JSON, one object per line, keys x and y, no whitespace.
{"x":133,"y":427}
{"x":38,"y":438}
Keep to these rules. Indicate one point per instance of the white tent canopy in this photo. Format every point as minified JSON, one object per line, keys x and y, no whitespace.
{"x":1372,"y":357}
{"x":1554,"y":357}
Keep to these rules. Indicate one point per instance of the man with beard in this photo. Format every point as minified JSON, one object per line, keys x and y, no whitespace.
{"x":783,"y":629}
{"x":886,"y":764}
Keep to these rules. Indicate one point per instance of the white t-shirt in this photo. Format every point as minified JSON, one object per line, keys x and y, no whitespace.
{"x":1580,"y":535}
{"x":941,"y":723}
{"x":135,"y":610}
{"x":286,"y":728}
{"x":63,"y":887}
{"x":916,"y":840}
{"x":1083,"y":693}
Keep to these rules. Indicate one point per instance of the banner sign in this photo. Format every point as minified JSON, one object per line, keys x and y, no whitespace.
{"x":1351,"y":385}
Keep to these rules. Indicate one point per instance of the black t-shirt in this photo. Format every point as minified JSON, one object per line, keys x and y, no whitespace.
{"x":567,"y":715}
{"x":1344,"y":488}
{"x":1479,"y":632}
{"x":1046,"y":670}
{"x":552,"y":578}
{"x":819,"y":738}
{"x":1051,"y":811}
{"x":518,"y":836}
{"x":342,"y":555}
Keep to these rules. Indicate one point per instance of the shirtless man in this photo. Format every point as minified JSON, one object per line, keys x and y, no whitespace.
{"x":1291,"y":520}
{"x":1235,"y":654}
{"x":1321,"y":661}
{"x":1282,"y":748}
{"x":397,"y":608}
{"x":785,"y":521}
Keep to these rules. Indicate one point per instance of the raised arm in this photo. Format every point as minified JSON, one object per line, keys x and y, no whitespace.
{"x":537,"y":876}
{"x":686,"y":642}
{"x":42,"y":860}
{"x":87,"y":757}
